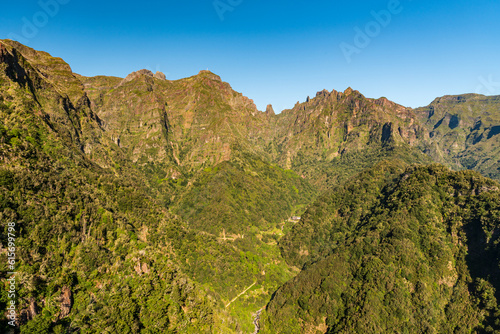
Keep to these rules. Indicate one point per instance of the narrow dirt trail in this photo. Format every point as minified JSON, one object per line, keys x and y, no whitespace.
{"x":240,"y":294}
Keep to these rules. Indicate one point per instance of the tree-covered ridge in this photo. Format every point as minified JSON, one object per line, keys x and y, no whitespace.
{"x":395,"y":250}
{"x":242,"y":194}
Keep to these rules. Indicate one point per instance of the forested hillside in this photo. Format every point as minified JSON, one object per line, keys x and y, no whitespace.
{"x":410,"y":250}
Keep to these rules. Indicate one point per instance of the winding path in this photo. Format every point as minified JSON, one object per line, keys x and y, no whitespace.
{"x":240,"y":294}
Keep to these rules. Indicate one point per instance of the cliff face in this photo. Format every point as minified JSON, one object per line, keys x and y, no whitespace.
{"x":191,"y":123}
{"x":463,"y":132}
{"x":345,"y":128}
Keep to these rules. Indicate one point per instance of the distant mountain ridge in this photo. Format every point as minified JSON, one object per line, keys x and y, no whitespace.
{"x":463,"y":132}
{"x":197,"y":121}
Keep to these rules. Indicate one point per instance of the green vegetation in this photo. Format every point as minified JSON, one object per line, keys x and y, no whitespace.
{"x":144,"y":205}
{"x":86,"y":232}
{"x":395,"y":250}
{"x":241,"y":196}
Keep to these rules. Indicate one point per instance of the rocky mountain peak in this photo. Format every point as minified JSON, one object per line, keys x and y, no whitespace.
{"x":324,"y":92}
{"x":348,"y":91}
{"x":270,"y":110}
{"x":160,"y":75}
{"x":210,"y":75}
{"x":136,"y":74}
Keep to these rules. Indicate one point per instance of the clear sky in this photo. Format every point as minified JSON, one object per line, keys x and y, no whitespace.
{"x":278,"y":52}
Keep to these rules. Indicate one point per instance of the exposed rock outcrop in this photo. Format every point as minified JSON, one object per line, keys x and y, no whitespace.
{"x":270,"y":110}
{"x":160,"y":75}
{"x":29,"y":313}
{"x":136,"y":74}
{"x":66,"y":302}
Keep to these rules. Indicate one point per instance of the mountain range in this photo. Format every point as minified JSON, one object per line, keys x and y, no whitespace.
{"x":147,"y":205}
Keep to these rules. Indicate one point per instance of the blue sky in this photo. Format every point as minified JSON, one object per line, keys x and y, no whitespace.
{"x":278,"y":52}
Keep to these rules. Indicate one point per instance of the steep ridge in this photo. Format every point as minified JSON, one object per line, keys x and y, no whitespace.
{"x":197,"y":120}
{"x":146,"y":152}
{"x":56,"y":96}
{"x":337,"y":134}
{"x":77,"y":225}
{"x":201,"y":145}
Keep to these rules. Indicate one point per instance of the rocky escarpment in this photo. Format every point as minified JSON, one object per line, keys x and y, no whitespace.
{"x":158,"y":75}
{"x":314,"y":135}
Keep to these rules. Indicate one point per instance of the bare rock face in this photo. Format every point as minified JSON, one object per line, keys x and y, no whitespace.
{"x":29,"y":313}
{"x":270,"y":110}
{"x":160,"y":75}
{"x":66,"y":301}
{"x":144,"y":268}
{"x":141,"y":269}
{"x":136,"y":74}
{"x":138,"y":269}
